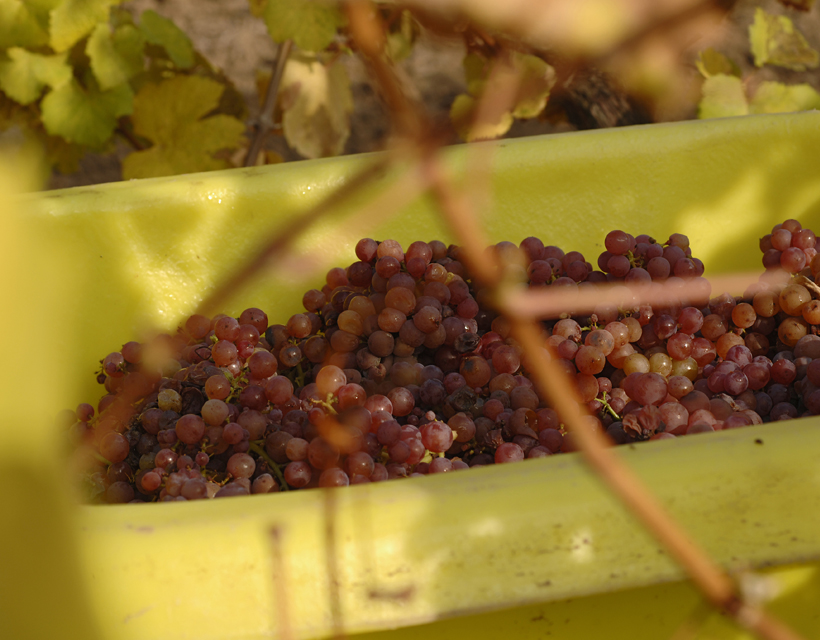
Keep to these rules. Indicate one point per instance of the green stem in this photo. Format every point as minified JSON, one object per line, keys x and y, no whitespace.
{"x":300,"y":375}
{"x":607,"y":407}
{"x":327,"y":404}
{"x":274,"y":467}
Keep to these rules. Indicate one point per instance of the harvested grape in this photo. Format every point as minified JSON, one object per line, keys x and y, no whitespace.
{"x":398,"y":367}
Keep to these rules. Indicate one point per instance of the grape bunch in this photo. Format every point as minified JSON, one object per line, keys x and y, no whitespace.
{"x":400,"y":367}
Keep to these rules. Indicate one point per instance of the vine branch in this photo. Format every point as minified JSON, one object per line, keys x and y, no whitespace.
{"x":265,"y":121}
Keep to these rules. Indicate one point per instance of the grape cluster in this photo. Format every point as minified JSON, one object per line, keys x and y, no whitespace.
{"x":399,"y":366}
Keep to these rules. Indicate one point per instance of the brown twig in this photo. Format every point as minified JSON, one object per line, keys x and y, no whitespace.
{"x":556,"y":387}
{"x":367,"y":32}
{"x":594,"y":446}
{"x":265,"y":122}
{"x":551,"y":302}
{"x":662,"y":26}
{"x":368,"y":35}
{"x":716,"y":585}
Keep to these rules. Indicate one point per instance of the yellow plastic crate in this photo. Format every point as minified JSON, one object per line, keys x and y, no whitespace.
{"x":530,"y":550}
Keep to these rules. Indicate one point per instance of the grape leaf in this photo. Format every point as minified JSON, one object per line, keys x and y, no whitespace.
{"x":463,"y":113}
{"x":722,"y":97}
{"x":316,"y":106}
{"x":774,"y":97}
{"x":163,"y":32}
{"x":537,"y":78}
{"x":170,"y":115}
{"x":775,"y":40}
{"x":24,"y":75}
{"x":71,"y":20}
{"x":19,"y":25}
{"x":85,"y":115}
{"x":311,"y":24}
{"x":711,"y":63}
{"x":115,"y":58}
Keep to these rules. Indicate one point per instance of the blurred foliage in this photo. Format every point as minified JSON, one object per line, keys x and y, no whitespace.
{"x":79,"y":75}
{"x":773,"y":40}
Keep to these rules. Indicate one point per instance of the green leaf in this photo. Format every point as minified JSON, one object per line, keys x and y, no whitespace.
{"x":170,"y":115}
{"x":711,"y":63}
{"x":163,"y":32}
{"x":72,"y":20}
{"x":24,"y":75}
{"x":775,"y":40}
{"x":19,"y":25}
{"x":316,"y":105}
{"x":85,"y":115}
{"x":129,"y":43}
{"x":537,"y":78}
{"x":722,"y":97}
{"x":311,"y":24}
{"x":774,"y":97}
{"x":115,"y":58}
{"x":463,"y":113}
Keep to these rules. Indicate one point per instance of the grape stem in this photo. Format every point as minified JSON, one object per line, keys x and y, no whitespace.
{"x":608,"y":407}
{"x":811,"y":286}
{"x":258,"y":450}
{"x":326,"y":404}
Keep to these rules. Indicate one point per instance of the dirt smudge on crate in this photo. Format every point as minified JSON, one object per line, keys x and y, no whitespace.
{"x":137,"y":614}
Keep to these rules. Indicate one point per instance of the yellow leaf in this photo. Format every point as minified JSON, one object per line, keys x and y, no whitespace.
{"x":462,"y":115}
{"x":723,"y":97}
{"x":311,"y":24}
{"x":20,"y":26}
{"x":711,"y":63}
{"x":537,"y":78}
{"x":115,"y":57}
{"x":85,"y":115}
{"x":774,"y":97}
{"x":775,"y":40}
{"x":24,"y":75}
{"x":316,"y":116}
{"x":170,"y":114}
{"x":72,"y":20}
